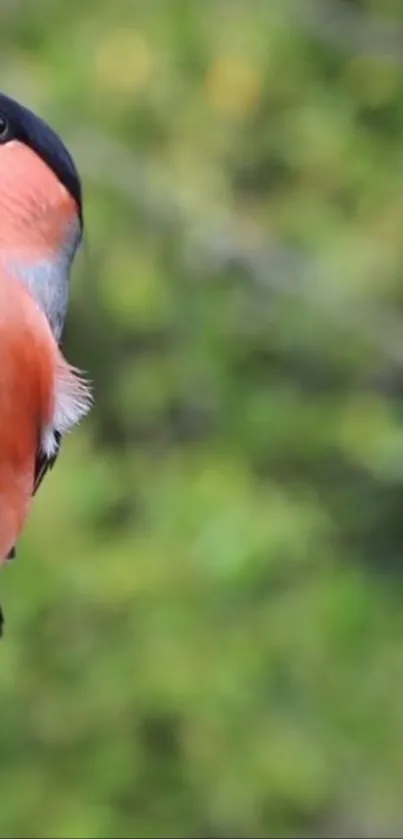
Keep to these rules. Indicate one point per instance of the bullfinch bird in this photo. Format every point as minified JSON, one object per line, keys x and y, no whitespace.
{"x":41,"y":226}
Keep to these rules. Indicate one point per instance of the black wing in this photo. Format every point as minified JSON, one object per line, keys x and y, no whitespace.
{"x":44,"y":463}
{"x":42,"y":466}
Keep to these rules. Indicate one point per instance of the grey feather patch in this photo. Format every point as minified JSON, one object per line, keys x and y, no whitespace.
{"x":47,"y":280}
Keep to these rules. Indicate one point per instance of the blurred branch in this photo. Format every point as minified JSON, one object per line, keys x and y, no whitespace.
{"x":338,"y":22}
{"x":217,"y":241}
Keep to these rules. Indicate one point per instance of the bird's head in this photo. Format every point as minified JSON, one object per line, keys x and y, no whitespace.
{"x":41,"y":212}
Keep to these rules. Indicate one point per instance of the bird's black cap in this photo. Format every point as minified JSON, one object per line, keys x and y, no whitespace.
{"x":19,"y":123}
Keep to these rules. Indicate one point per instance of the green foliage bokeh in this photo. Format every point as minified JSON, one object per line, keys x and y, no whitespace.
{"x":204,"y":628}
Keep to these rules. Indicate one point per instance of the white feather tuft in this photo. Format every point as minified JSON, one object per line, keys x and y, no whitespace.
{"x":73,"y":398}
{"x":72,"y":402}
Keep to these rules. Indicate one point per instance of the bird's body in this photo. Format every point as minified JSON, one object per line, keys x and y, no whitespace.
{"x":51,"y":397}
{"x":41,"y":224}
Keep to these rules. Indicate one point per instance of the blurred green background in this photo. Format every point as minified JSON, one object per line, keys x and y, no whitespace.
{"x":204,"y":629}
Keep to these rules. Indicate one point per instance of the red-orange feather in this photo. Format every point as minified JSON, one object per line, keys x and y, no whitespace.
{"x":28,"y":356}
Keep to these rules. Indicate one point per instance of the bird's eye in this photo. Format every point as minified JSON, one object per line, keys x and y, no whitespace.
{"x":4,"y":129}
